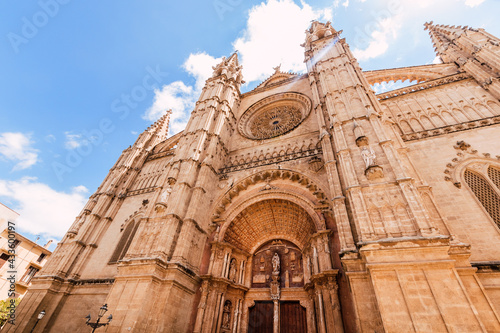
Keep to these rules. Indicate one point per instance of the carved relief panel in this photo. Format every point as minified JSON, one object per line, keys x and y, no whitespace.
{"x":291,"y":265}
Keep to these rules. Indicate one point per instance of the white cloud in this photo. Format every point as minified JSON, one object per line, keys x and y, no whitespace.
{"x":180,"y":97}
{"x":74,"y":141}
{"x":391,"y":85}
{"x":42,"y":209}
{"x":345,"y":3}
{"x":200,"y":65}
{"x":17,"y":147}
{"x":473,"y":3}
{"x":176,"y":96}
{"x":437,"y":60}
{"x":378,"y":44}
{"x":50,"y":138}
{"x":273,"y":35}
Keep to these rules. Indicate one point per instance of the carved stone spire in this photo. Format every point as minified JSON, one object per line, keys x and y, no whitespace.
{"x":473,"y":50}
{"x":318,"y":30}
{"x":229,"y":67}
{"x":155,"y":133}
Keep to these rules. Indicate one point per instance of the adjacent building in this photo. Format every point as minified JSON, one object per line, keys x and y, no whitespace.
{"x":28,"y":258}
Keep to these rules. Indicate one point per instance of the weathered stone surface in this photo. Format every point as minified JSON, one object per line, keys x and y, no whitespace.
{"x":381,"y":209}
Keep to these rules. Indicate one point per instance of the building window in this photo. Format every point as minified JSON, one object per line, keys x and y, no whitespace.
{"x":41,"y":257}
{"x":3,"y":259}
{"x":485,"y":191}
{"x":29,"y":274}
{"x":124,"y":243}
{"x":494,"y":175}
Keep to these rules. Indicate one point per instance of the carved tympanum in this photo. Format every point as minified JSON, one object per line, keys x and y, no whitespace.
{"x":280,"y":261}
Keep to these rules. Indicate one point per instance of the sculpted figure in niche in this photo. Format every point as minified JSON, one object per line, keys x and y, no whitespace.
{"x":216,"y":235}
{"x":226,"y":316}
{"x":165,"y":194}
{"x":368,"y":156}
{"x":232,"y":270}
{"x":276,"y":264}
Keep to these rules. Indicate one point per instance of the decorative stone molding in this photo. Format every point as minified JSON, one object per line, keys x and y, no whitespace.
{"x":466,"y":158}
{"x":274,"y":116}
{"x":423,"y":86}
{"x":451,"y":128}
{"x":266,"y":176}
{"x":316,"y":164}
{"x":160,"y":155}
{"x":141,"y":191}
{"x":374,"y":172}
{"x":93,"y":281}
{"x":268,"y":159}
{"x":413,"y":73}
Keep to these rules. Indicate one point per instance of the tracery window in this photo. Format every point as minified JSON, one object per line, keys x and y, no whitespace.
{"x":487,"y":190}
{"x":124,"y":243}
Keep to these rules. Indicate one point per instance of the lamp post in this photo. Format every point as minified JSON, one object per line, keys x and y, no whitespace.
{"x":98,"y":324}
{"x":40,"y":316}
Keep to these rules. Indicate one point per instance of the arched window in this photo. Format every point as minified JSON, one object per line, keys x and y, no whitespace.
{"x":486,"y":190}
{"x":124,"y":243}
{"x":494,"y":175}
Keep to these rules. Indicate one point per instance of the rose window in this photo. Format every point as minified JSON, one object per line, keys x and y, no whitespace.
{"x":274,"y":116}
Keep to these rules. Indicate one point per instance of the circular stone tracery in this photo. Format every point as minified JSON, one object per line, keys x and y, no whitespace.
{"x":274,"y":116}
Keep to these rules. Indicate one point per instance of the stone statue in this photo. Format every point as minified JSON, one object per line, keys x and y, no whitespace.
{"x":216,"y":235}
{"x":276,"y":264}
{"x":226,"y":316}
{"x":232,"y":271}
{"x":165,"y":194}
{"x":368,"y":156}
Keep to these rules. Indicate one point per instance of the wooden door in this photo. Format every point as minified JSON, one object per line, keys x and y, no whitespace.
{"x":261,"y":318}
{"x":292,"y":318}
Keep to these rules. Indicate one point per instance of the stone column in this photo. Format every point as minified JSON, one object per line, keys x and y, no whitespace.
{"x":323,"y":290}
{"x":321,"y":311}
{"x":201,"y":307}
{"x":276,"y":316}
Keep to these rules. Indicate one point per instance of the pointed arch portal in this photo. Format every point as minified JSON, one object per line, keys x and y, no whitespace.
{"x":262,"y":226}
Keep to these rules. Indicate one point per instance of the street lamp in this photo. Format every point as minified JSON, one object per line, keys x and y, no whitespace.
{"x":40,"y":316}
{"x":97,"y":324}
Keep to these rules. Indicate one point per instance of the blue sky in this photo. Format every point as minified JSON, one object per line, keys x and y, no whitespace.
{"x":80,"y":80}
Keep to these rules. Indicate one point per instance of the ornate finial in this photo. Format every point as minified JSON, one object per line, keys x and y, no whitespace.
{"x":277,"y":69}
{"x":462,"y":145}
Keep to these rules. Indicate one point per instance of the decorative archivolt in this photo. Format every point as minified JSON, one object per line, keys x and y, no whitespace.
{"x":468,"y":158}
{"x":264,"y":218}
{"x":267,"y":176}
{"x":135,"y":216}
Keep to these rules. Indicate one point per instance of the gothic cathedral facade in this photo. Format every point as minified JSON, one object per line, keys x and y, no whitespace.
{"x":309,"y":204}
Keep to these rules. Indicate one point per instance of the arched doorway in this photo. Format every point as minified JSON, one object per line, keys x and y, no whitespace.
{"x":279,"y":263}
{"x":272,"y":261}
